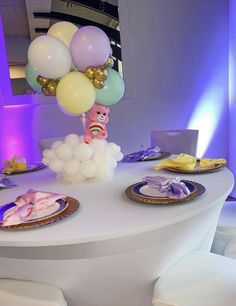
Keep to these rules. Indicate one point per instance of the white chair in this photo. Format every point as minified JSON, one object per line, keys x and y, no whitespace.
{"x":24,"y":293}
{"x":224,"y":242}
{"x":46,"y":143}
{"x":176,"y":141}
{"x":198,"y":279}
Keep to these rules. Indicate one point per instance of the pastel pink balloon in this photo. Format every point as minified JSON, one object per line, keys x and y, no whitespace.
{"x":90,"y":46}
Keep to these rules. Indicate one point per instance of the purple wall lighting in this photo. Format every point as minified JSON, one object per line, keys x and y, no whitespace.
{"x":210,"y":101}
{"x":15,"y":113}
{"x":16,"y":137}
{"x":6,"y":95}
{"x":207,"y":115}
{"x":232,"y":90}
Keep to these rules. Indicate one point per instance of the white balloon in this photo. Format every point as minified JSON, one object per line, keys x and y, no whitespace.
{"x":50,"y":56}
{"x":119,"y":156}
{"x":97,"y":145}
{"x":79,"y":178}
{"x":67,"y":178}
{"x":88,"y":169}
{"x":64,"y":31}
{"x":112,"y":148}
{"x":101,"y":140}
{"x":64,"y":152}
{"x":45,"y":161}
{"x":49,"y":154}
{"x":71,"y":166}
{"x":56,"y":165}
{"x":56,"y":144}
{"x":81,"y":138}
{"x":83,"y":152}
{"x":102,"y":159}
{"x":72,"y":140}
{"x":104,"y":174}
{"x":112,"y":163}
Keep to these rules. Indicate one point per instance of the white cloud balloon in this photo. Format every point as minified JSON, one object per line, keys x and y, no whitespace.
{"x":72,"y":140}
{"x":76,"y":161}
{"x":83,"y":152}
{"x":63,"y":152}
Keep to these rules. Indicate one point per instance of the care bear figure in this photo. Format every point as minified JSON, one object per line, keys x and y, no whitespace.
{"x":96,"y":120}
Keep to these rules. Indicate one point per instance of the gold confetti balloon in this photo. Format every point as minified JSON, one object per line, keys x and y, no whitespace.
{"x":51,"y":87}
{"x":90,"y":72}
{"x":98,"y":84}
{"x":41,"y":80}
{"x":45,"y":91}
{"x":101,"y":74}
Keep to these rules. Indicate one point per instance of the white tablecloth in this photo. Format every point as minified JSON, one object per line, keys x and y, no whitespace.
{"x":113,"y":249}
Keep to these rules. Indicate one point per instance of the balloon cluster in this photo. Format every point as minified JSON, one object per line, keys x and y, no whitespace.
{"x":76,"y":66}
{"x":76,"y":161}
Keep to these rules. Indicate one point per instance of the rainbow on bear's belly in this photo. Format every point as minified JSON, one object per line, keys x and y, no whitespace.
{"x":95,"y":128}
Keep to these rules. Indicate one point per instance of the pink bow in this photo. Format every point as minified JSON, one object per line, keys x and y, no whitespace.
{"x":28,"y":204}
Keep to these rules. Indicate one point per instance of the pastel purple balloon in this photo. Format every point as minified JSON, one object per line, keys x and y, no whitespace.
{"x":90,"y":46}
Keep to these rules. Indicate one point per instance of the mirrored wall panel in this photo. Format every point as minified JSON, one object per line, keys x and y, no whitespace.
{"x":24,"y":20}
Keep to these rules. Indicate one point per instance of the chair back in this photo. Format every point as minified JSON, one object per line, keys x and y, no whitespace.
{"x":176,"y":141}
{"x":46,"y":143}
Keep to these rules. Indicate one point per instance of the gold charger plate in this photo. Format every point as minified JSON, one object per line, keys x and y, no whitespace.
{"x":198,"y":169}
{"x":29,"y":168}
{"x":71,"y":206}
{"x":135,"y":193}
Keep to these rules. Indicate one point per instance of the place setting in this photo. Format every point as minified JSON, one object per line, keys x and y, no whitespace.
{"x":184,"y":163}
{"x":150,"y":154}
{"x":5,"y":182}
{"x":19,"y":165}
{"x":35,"y":209}
{"x":161,"y":190}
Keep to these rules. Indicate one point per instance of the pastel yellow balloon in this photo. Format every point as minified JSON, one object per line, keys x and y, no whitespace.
{"x":64,"y":31}
{"x":75,"y":93}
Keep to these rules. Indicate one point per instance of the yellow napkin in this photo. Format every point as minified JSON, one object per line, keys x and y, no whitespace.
{"x":207,"y":162}
{"x":181,"y":162}
{"x":16,"y":164}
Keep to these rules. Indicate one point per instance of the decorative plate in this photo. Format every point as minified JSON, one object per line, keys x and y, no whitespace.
{"x":198,"y":169}
{"x":29,"y":168}
{"x":140,"y":192}
{"x":157,"y":156}
{"x":56,"y":212}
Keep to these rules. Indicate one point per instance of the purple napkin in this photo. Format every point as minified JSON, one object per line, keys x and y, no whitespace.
{"x":172,"y":186}
{"x":141,"y":155}
{"x":6,"y":182}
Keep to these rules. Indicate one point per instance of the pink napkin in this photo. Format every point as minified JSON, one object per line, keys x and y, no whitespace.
{"x":29,"y":203}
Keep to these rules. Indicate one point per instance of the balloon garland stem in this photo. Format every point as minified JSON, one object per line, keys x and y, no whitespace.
{"x":83,"y":118}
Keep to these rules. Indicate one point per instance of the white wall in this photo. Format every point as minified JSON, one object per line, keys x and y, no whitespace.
{"x":175,"y":50}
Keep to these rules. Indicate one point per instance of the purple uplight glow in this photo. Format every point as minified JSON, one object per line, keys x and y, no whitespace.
{"x":210,"y":109}
{"x":6,"y":96}
{"x":15,"y":113}
{"x":15,"y":134}
{"x":232,"y":90}
{"x":206,"y":116}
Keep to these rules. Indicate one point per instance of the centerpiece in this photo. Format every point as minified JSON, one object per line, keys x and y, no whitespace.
{"x":75,"y":65}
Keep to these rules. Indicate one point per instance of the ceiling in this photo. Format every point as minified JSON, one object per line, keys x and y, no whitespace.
{"x":18,"y":19}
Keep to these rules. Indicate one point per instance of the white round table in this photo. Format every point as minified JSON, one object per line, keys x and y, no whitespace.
{"x":113,"y":249}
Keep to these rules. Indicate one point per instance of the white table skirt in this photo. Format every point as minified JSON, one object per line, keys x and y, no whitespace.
{"x":112,"y":250}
